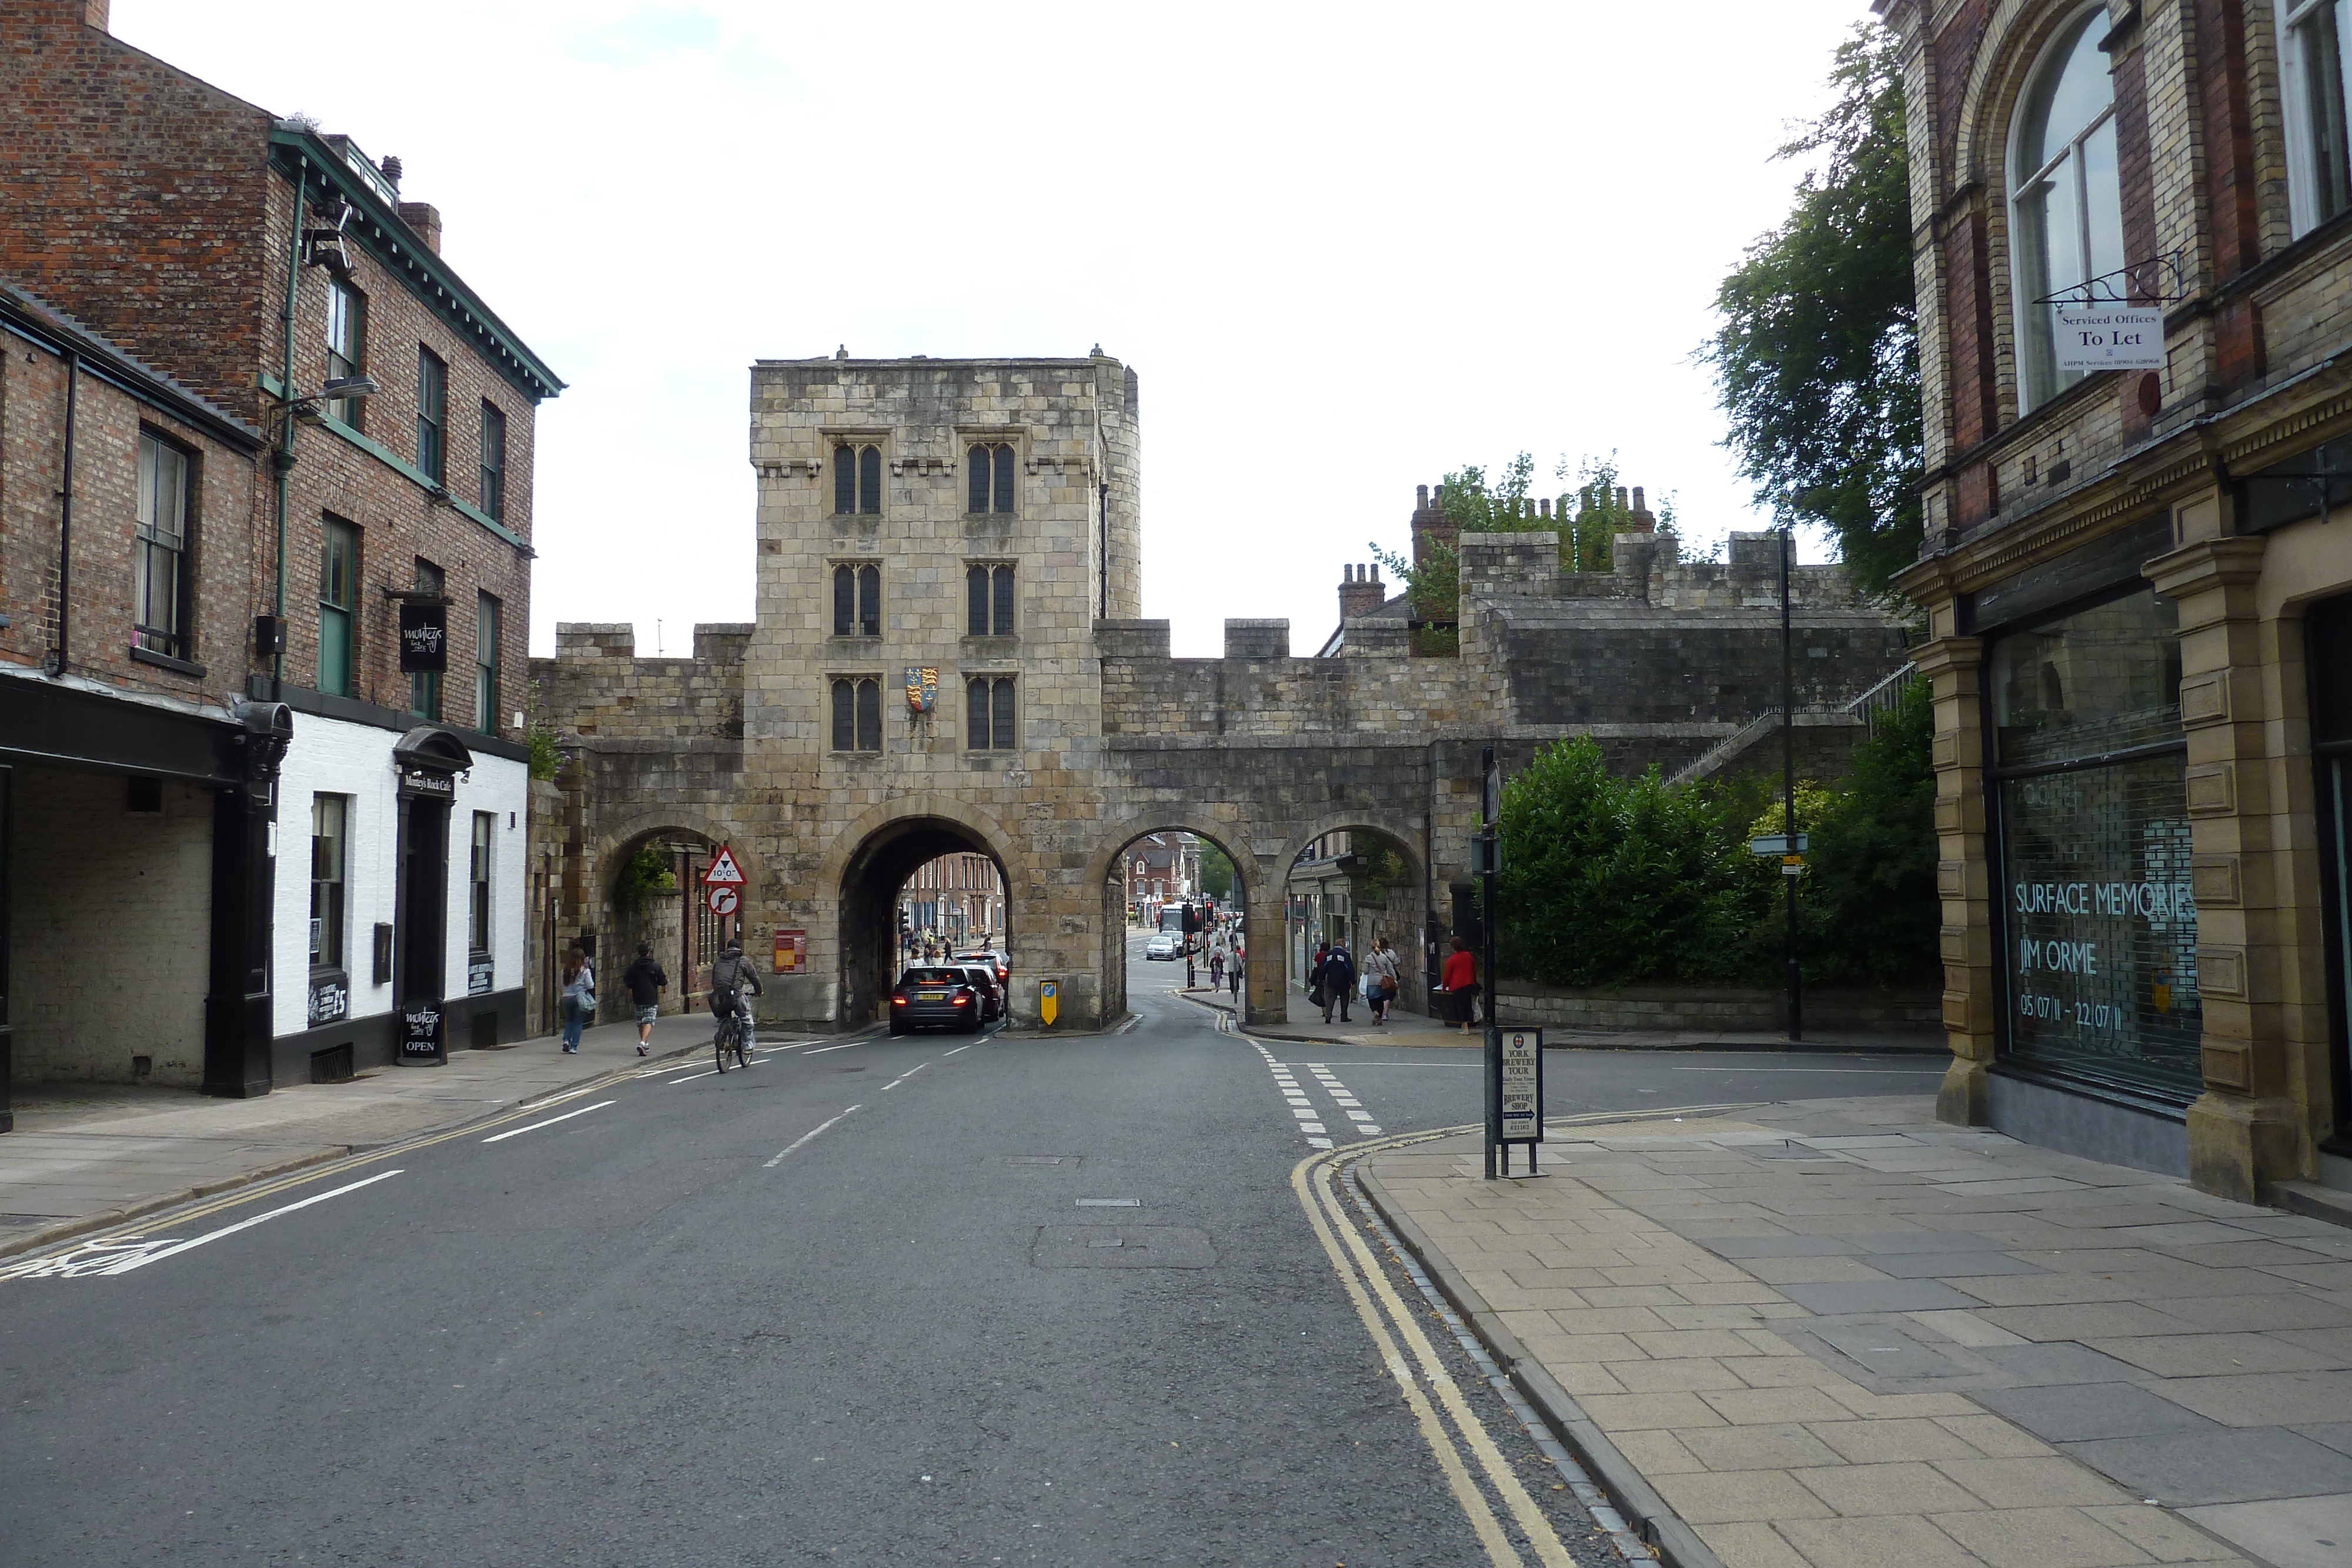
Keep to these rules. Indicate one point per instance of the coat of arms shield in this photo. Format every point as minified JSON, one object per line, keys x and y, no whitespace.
{"x":923,"y":688}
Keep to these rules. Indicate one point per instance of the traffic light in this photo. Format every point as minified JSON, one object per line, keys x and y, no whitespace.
{"x":1191,"y":921}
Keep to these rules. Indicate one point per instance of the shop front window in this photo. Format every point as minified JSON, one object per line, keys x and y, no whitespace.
{"x":2098,"y":925}
{"x":2327,"y":654}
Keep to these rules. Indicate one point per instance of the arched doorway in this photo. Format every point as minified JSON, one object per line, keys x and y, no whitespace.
{"x":1360,"y":882}
{"x":651,"y":891}
{"x":871,"y":885}
{"x":1149,"y":878}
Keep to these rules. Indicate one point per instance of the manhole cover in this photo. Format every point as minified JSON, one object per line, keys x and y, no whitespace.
{"x":1121,"y":1247}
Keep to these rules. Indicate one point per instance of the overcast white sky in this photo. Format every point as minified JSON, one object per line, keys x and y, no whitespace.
{"x":1346,"y":248}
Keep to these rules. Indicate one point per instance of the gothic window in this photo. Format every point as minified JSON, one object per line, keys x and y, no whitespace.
{"x":2311,"y":35}
{"x":2065,"y":196}
{"x":857,"y":479}
{"x":988,"y":715}
{"x":988,"y":600}
{"x":857,"y":601}
{"x":857,"y":714}
{"x":991,"y":478}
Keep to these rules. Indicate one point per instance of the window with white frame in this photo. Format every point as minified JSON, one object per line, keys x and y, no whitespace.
{"x":2066,"y":208}
{"x":159,"y":562}
{"x":2311,"y":73}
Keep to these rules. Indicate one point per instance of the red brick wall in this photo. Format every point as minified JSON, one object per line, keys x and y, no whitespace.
{"x":132,"y":192}
{"x":105,"y":515}
{"x":398,"y":522}
{"x":1975,"y":392}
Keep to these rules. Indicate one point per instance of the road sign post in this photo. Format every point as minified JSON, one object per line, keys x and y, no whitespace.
{"x":1049,"y":1001}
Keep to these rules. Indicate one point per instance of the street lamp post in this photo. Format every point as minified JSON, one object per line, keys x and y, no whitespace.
{"x":1789,"y":871}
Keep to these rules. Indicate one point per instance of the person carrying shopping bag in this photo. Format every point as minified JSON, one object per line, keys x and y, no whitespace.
{"x":579,"y":997}
{"x":1381,"y":980}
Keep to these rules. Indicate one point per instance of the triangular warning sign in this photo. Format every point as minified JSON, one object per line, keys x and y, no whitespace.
{"x":724,"y":872}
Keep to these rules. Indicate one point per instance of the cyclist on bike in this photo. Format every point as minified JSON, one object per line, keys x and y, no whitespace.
{"x":733,"y":983}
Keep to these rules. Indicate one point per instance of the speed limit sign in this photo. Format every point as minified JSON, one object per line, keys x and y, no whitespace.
{"x":722,"y":900}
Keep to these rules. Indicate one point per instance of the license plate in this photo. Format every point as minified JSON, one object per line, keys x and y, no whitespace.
{"x":931,"y":993}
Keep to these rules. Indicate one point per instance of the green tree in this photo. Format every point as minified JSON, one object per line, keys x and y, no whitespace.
{"x":1817,"y":362}
{"x":1871,"y":889}
{"x":1612,"y":882}
{"x":1217,"y":875}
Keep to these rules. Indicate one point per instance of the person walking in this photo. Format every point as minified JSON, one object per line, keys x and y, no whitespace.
{"x":1381,"y":980}
{"x":1234,"y":976}
{"x":1339,"y":980}
{"x":1217,"y":966}
{"x":579,"y":997}
{"x":1458,"y":985}
{"x":733,"y":983}
{"x":646,"y":982}
{"x":1316,"y":995}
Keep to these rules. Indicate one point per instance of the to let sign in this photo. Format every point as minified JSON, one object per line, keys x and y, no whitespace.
{"x":2109,"y":336}
{"x":423,"y":636}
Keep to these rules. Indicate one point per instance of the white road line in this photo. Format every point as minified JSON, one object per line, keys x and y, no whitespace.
{"x":535,"y":1126}
{"x":123,"y":1255}
{"x":821,"y":1050}
{"x":958,"y":1047}
{"x":706,"y":1073}
{"x":904,"y":1076}
{"x":803,"y":1138}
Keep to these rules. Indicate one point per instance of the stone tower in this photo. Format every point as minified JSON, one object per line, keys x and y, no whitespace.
{"x":965,"y":522}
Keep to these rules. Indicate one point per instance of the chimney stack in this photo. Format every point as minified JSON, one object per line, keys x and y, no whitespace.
{"x":424,"y":220}
{"x":1362,"y":591}
{"x":94,"y":12}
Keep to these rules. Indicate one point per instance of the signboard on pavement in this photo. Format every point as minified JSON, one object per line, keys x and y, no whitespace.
{"x":1519,"y":1091}
{"x":420,"y":1032}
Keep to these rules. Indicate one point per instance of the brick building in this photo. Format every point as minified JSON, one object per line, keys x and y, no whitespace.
{"x":958,"y":897}
{"x":2138,"y":603}
{"x":277,"y":274}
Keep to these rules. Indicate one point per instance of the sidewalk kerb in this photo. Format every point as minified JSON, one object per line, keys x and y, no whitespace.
{"x":1676,"y":1542}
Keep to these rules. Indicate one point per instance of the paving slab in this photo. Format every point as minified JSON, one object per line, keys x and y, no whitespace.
{"x":1957,"y":1348}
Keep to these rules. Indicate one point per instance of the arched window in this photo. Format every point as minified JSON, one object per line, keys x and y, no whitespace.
{"x":2319,"y":175}
{"x":856,"y":714}
{"x":857,"y":479}
{"x":990,"y":479}
{"x":2066,"y":209}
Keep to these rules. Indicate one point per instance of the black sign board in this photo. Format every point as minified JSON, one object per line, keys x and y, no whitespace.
{"x":331,"y":998}
{"x":1514,"y":1091}
{"x":421,"y":1033}
{"x":421,"y":784}
{"x":423,"y":636}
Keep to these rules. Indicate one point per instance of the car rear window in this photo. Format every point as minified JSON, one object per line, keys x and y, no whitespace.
{"x":933,"y":978}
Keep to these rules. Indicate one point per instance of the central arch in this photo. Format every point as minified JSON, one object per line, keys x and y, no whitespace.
{"x":871,"y":878}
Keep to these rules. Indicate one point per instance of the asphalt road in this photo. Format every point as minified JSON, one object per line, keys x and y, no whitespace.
{"x":927,"y":1301}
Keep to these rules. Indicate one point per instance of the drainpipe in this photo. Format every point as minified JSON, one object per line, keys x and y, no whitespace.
{"x":64,"y":521}
{"x":281,"y":459}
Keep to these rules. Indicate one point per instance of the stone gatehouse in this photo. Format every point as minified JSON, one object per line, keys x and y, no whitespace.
{"x":949,"y":656}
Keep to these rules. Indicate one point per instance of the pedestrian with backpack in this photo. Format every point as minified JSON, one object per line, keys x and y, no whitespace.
{"x":1339,"y":980}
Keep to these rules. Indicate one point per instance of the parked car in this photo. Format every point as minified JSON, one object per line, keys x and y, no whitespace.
{"x":994,"y":960}
{"x":937,"y":996}
{"x":1167,"y":945}
{"x":992,"y":990}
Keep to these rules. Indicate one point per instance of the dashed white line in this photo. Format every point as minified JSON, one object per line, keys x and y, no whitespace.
{"x":821,"y":1050}
{"x":803,"y":1138}
{"x":904,"y":1076}
{"x":535,"y":1126}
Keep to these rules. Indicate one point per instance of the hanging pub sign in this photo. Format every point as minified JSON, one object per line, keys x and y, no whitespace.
{"x":2109,"y":336}
{"x":424,"y":634}
{"x":420,"y":1031}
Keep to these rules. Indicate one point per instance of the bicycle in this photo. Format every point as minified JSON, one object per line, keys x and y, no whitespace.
{"x":731,"y":1036}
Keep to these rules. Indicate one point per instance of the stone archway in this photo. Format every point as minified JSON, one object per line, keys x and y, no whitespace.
{"x":663,"y":909}
{"x":1105,"y":869}
{"x":866,"y":872}
{"x":1397,"y":906}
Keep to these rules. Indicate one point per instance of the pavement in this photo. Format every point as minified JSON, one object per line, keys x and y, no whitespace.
{"x":1303,"y":1024}
{"x":1836,"y":1333}
{"x":87,"y":1156}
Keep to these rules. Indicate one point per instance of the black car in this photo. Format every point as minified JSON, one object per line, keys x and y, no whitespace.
{"x":937,"y":996}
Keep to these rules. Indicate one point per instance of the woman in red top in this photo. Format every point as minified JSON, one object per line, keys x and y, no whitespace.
{"x":1460,"y":983}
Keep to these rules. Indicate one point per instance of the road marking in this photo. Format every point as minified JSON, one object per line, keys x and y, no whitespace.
{"x":952,"y":1052}
{"x":120,"y":1255}
{"x":803,"y":1138}
{"x":904,"y":1076}
{"x":1473,"y":1505}
{"x":821,"y":1050}
{"x":535,"y":1126}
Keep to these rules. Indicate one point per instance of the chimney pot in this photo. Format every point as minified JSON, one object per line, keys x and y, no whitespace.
{"x":1621,"y":498}
{"x":1420,"y":498}
{"x":391,"y":167}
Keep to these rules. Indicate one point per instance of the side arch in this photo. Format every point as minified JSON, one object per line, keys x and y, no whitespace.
{"x":611,"y":839}
{"x":1230,"y":837}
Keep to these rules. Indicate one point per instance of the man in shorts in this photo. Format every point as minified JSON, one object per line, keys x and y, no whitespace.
{"x":645,"y":982}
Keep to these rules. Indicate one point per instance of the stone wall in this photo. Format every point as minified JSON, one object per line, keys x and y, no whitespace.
{"x":1727,"y":1009}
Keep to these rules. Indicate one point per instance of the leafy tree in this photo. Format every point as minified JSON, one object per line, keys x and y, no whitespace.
{"x":1817,"y":362}
{"x":1507,"y":504}
{"x":1217,"y":874}
{"x":1872,"y":882}
{"x":642,"y":876}
{"x":1612,"y":881}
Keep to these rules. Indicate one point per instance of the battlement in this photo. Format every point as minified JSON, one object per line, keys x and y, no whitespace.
{"x":596,"y":685}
